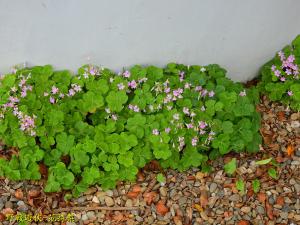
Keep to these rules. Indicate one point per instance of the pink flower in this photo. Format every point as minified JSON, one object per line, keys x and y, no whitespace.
{"x":243,"y":93}
{"x":71,"y":92}
{"x":176,"y":116}
{"x":61,"y":95}
{"x":76,"y":87}
{"x":277,"y":73}
{"x":114,"y":117}
{"x":190,"y":126}
{"x":167,"y":130}
{"x":198,"y":88}
{"x":126,"y":74}
{"x":273,"y":68}
{"x":288,"y":72}
{"x":181,"y":76}
{"x":204,"y":92}
{"x":194,"y":141}
{"x":54,"y":90}
{"x":23,"y":94}
{"x":13,"y":99}
{"x":136,"y":108}
{"x":187,"y":85}
{"x":167,"y":90}
{"x":155,"y":132}
{"x":92,"y":71}
{"x":52,"y":100}
{"x":186,"y":110}
{"x":282,"y":79}
{"x":291,"y":58}
{"x":121,"y":86}
{"x":202,"y":124}
{"x":290,"y":93}
{"x":132,"y":84}
{"x":46,"y":94}
{"x":211,"y":94}
{"x":85,"y":75}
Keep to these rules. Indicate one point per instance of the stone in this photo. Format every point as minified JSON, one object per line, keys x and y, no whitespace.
{"x":283,"y":215}
{"x":128,"y":203}
{"x":260,"y":210}
{"x":95,"y":200}
{"x":109,"y":201}
{"x":163,"y":191}
{"x":213,"y":187}
{"x":295,"y":124}
{"x":234,"y":197}
{"x":246,"y":209}
{"x":84,"y":217}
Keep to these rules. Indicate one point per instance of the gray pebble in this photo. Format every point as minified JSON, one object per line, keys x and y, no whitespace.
{"x":260,"y":209}
{"x":213,"y":187}
{"x":234,"y":197}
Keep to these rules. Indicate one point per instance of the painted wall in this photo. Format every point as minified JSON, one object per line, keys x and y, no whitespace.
{"x":238,"y":35}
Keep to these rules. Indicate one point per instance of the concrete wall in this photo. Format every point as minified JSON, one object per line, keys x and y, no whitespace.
{"x":238,"y":35}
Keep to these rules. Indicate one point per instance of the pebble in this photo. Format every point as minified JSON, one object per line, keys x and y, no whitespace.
{"x":284,"y":215}
{"x":213,"y":187}
{"x":163,"y":191}
{"x":128,"y":203}
{"x":260,"y":209}
{"x":109,"y":201}
{"x":95,"y":200}
{"x":84,"y":217}
{"x":297,"y":188}
{"x":295,"y":124}
{"x":246,"y":209}
{"x":234,"y":197}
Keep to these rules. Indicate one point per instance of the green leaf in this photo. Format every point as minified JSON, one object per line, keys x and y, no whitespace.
{"x":263,"y":162}
{"x":240,"y":185}
{"x":115,"y":100}
{"x":161,"y":178}
{"x":64,"y":142}
{"x":230,"y":167}
{"x":272,"y":173}
{"x":227,"y":127}
{"x":126,"y":159}
{"x":256,"y":185}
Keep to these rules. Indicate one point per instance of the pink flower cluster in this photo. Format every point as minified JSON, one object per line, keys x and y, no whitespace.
{"x":134,"y":108}
{"x":132,"y":84}
{"x":26,"y":122}
{"x":59,"y":95}
{"x":287,"y":68}
{"x":91,"y":70}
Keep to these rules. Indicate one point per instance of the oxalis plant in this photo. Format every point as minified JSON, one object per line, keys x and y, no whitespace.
{"x":100,"y":127}
{"x":280,"y":76}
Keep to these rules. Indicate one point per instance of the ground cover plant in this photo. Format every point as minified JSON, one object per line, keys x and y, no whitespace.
{"x":100,"y":127}
{"x":280,"y":76}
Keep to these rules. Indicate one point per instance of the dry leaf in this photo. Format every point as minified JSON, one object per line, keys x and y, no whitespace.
{"x":161,"y":208}
{"x":280,"y":200}
{"x":290,"y":150}
{"x":203,"y":198}
{"x":281,"y":116}
{"x":269,"y":210}
{"x":198,"y":207}
{"x":243,"y":222}
{"x":33,"y":193}
{"x":149,"y":196}
{"x":261,"y":197}
{"x":7,"y":211}
{"x":19,"y":194}
{"x":2,"y":217}
{"x":136,"y":188}
{"x":177,"y":220}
